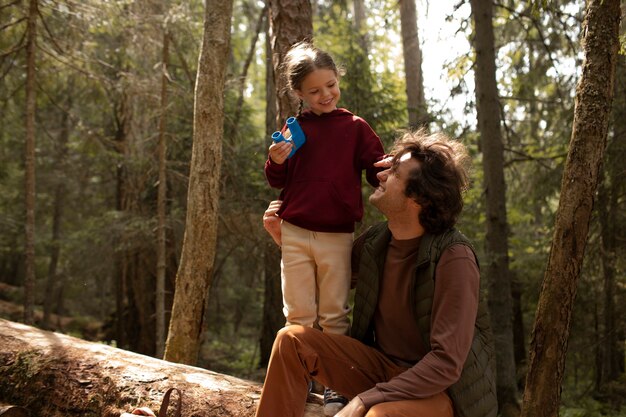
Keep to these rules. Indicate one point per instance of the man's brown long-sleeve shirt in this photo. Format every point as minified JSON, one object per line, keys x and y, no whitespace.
{"x":454,"y":310}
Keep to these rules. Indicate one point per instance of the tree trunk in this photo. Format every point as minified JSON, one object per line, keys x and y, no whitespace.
{"x":52,"y":284}
{"x":246,"y":65}
{"x":29,"y":163}
{"x":291,"y":21}
{"x":416,"y":103}
{"x":161,"y":206}
{"x":52,"y":281}
{"x":594,"y":95}
{"x":496,"y":240}
{"x":273,"y":317}
{"x":193,"y":279}
{"x":360,"y":24}
{"x":54,"y":375}
{"x":612,"y":365}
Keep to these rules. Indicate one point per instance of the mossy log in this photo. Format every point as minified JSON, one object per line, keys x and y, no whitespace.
{"x":51,"y":374}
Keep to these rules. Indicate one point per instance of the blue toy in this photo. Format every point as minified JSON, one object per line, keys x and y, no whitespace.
{"x":292,"y":132}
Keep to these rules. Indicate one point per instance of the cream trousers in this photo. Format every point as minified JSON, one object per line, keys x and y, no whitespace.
{"x":315,"y":278}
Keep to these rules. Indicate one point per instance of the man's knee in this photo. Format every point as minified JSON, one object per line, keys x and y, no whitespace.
{"x":292,"y":333}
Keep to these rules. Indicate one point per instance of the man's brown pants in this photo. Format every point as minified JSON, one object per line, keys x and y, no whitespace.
{"x":338,"y":362}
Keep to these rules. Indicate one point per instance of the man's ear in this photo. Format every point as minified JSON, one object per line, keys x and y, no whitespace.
{"x":414,"y":204}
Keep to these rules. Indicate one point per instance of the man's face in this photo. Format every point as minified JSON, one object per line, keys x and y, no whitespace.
{"x":389,"y":197}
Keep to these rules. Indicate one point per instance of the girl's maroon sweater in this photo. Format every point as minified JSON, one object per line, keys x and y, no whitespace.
{"x":321,"y":182}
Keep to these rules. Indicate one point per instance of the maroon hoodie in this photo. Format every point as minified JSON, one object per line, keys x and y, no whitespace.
{"x":321,"y":182}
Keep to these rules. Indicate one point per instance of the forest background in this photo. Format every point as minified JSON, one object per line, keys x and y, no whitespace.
{"x":101,"y":68}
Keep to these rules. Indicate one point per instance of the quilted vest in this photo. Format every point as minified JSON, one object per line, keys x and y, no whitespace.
{"x":474,"y":394}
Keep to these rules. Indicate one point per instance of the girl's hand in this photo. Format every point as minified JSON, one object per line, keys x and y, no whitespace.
{"x":384,"y":163}
{"x":279,"y":151}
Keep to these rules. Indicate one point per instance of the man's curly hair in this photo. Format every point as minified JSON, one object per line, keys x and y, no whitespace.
{"x":439,"y":181}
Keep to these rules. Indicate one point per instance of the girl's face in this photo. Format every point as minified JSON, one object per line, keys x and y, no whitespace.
{"x":320,"y":91}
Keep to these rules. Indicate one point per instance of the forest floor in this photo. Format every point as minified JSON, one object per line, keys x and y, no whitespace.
{"x":11,"y":308}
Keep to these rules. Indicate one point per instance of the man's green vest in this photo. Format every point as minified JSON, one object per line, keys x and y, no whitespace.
{"x":474,"y":394}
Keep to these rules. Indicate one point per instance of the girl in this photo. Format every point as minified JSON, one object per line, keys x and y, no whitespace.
{"x":321,"y":193}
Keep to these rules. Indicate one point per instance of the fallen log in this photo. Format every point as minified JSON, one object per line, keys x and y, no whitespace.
{"x":12,"y":411}
{"x":51,"y":374}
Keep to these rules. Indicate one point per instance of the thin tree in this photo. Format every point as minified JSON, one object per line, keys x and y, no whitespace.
{"x":29,"y":163}
{"x":609,"y":208}
{"x":594,"y":95}
{"x":246,"y":66}
{"x":53,"y":289}
{"x":273,"y":318}
{"x":496,"y":240}
{"x":161,"y":204}
{"x":360,"y":24}
{"x":416,"y":103}
{"x":195,"y":271}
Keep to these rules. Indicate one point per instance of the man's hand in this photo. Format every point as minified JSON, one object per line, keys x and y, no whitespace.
{"x":355,"y":408}
{"x":271,"y":222}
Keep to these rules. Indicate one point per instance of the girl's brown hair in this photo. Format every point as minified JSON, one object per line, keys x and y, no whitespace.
{"x":302,"y":59}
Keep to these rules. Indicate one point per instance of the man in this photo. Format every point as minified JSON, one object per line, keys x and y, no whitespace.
{"x":420,"y":343}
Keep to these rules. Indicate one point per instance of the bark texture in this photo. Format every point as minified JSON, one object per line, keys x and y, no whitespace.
{"x":52,"y":375}
{"x":594,"y":95}
{"x":161,"y":269}
{"x":273,"y":317}
{"x":416,"y":103}
{"x":496,"y":266}
{"x":291,"y":21}
{"x":29,"y":163}
{"x":195,"y":271}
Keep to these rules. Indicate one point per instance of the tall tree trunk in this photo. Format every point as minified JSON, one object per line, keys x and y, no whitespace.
{"x":52,"y":282}
{"x":273,"y":318}
{"x":161,"y":205}
{"x":416,"y":103}
{"x":123,"y":117}
{"x":360,"y":24}
{"x":246,"y":65}
{"x":611,"y":364}
{"x":119,"y":271}
{"x":594,"y":95}
{"x":496,"y":240}
{"x":29,"y":164}
{"x":291,"y":21}
{"x":193,"y":279}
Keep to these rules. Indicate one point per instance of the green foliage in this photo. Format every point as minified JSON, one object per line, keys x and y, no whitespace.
{"x":99,"y":69}
{"x":377,"y":96}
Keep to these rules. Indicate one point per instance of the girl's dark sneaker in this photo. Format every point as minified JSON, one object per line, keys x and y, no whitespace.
{"x":333,"y":402}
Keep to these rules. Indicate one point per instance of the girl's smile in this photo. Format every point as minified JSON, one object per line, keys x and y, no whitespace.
{"x":320,"y":91}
